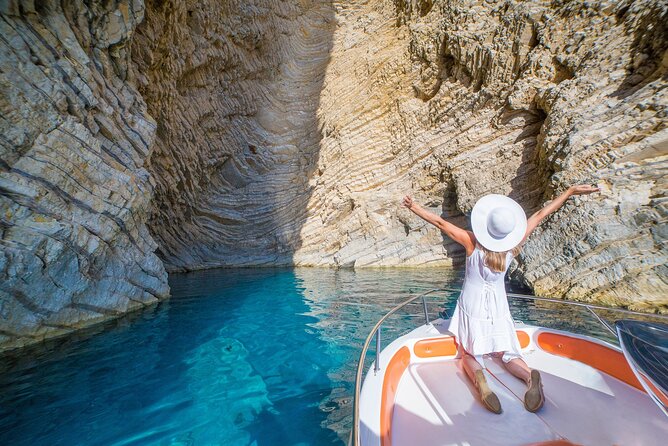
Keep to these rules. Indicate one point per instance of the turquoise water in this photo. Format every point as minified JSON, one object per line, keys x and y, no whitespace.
{"x":235,"y":357}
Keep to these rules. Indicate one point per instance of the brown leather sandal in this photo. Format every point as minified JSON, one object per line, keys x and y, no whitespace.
{"x":534,"y":398}
{"x":489,"y":398}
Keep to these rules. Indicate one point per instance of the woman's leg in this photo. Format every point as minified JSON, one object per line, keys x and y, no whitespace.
{"x":471,"y":365}
{"x":534,"y":397}
{"x":519,"y":368}
{"x":475,"y":373}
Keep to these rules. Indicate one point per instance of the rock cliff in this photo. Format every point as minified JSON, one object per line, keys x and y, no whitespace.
{"x":235,"y":90}
{"x":75,"y":193}
{"x":454,"y":100}
{"x":183,"y":135}
{"x":458,"y":99}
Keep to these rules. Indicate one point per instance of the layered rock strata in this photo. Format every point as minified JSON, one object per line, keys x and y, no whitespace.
{"x":235,"y":88}
{"x":74,"y":189}
{"x":270,"y":132}
{"x":454,"y":100}
{"x":332,"y":112}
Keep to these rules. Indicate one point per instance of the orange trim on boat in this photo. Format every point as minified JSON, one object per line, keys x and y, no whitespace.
{"x":395,"y":368}
{"x":429,"y":348}
{"x":595,"y":355}
{"x":523,"y":337}
{"x":447,"y":346}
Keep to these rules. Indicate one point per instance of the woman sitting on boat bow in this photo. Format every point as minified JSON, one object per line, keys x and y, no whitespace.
{"x":482,"y":323}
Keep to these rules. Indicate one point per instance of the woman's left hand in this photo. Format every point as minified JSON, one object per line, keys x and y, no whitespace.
{"x":408,"y":201}
{"x":583,"y":189}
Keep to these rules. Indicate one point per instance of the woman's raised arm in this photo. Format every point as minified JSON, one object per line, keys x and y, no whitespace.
{"x":535,"y":219}
{"x":459,"y":235}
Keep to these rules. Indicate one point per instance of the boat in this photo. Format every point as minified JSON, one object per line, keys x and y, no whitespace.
{"x":415,"y":393}
{"x":645,"y":346}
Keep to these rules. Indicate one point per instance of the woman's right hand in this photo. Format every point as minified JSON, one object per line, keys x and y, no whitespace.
{"x":583,"y":189}
{"x":408,"y":201}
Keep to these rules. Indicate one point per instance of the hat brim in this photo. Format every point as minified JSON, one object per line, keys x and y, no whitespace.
{"x":479,"y":222}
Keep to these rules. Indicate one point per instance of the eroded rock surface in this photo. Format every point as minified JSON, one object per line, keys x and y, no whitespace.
{"x":454,"y":100}
{"x":74,"y":189}
{"x":235,"y":88}
{"x":267,"y":132}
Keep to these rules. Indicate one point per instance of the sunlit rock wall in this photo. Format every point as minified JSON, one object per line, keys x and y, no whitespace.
{"x":449,"y":101}
{"x":288,"y":133}
{"x":74,"y":189}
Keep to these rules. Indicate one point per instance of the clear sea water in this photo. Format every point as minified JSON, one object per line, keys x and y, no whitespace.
{"x":235,"y":357}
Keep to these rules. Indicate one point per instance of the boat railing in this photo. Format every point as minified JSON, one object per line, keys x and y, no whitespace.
{"x":354,"y":439}
{"x":375,"y":331}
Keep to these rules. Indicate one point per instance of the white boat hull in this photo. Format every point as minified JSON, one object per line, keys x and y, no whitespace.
{"x":421,"y":396}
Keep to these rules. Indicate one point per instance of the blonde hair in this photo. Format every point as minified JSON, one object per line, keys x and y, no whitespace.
{"x":496,"y":261}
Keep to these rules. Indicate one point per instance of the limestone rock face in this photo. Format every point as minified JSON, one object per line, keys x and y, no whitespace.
{"x":74,"y":188}
{"x":289,"y":133}
{"x":450,"y":101}
{"x":267,"y":132}
{"x":234,"y":87}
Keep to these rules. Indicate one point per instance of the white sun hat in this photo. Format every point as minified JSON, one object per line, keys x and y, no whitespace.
{"x":498,"y":222}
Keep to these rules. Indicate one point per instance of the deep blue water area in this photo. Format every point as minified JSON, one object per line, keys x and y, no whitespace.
{"x":235,"y":357}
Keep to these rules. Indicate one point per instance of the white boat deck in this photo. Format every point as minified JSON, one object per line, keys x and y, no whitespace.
{"x":435,"y":405}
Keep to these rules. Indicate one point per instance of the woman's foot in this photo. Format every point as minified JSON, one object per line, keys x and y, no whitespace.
{"x":534,"y":398}
{"x":489,"y":398}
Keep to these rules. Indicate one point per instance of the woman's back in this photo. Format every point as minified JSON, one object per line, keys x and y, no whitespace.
{"x":483,"y":293}
{"x":475,"y":263}
{"x":482,"y":320}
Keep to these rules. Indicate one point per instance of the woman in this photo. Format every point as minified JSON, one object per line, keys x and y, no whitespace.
{"x":482,"y":322}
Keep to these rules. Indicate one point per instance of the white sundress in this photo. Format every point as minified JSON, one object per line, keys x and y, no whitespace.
{"x":482,"y":322}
